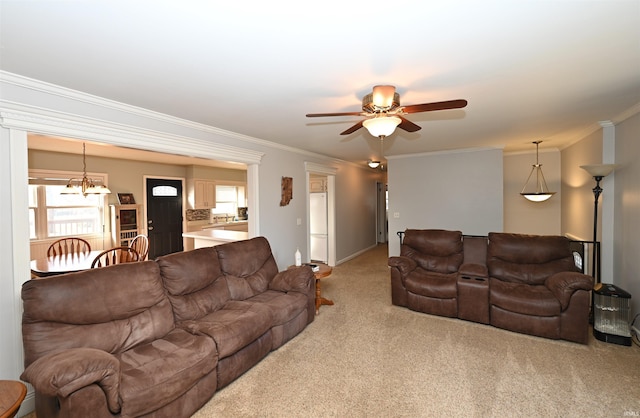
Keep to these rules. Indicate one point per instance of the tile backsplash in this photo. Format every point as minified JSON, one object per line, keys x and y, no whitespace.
{"x":198,"y":214}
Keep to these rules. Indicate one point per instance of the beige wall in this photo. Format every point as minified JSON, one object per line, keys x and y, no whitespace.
{"x":127,"y":176}
{"x":577,"y":185}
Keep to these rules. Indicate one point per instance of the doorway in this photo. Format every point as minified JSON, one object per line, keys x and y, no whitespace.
{"x":328,"y":176}
{"x":164,"y":216}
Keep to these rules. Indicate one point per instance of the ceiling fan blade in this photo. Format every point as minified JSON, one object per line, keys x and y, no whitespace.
{"x":407,"y":125}
{"x":317,"y":115}
{"x":352,"y":129}
{"x":429,"y":107}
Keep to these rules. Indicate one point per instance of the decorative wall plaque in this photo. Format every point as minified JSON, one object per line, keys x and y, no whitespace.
{"x":287,"y":191}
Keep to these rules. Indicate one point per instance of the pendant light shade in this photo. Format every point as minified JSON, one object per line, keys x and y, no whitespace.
{"x":538,"y":192}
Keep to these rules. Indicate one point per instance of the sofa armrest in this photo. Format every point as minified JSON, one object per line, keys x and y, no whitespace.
{"x":474,"y":270}
{"x":62,"y":373}
{"x":405,"y":265}
{"x":294,"y":279}
{"x":565,"y":283}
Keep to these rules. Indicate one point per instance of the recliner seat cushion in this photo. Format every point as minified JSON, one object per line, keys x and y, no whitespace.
{"x":284,"y":306}
{"x":233,"y":327}
{"x":156,"y":373}
{"x":431,"y":284}
{"x":523,"y":298}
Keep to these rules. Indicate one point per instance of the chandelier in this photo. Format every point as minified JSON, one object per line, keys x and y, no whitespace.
{"x":85,"y":185}
{"x":541,"y":192}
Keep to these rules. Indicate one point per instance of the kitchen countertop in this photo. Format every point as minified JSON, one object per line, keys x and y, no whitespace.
{"x":217,"y":235}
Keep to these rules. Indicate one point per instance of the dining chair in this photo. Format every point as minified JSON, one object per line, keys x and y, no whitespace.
{"x":141,"y":244}
{"x":66,"y":246}
{"x":115,"y":255}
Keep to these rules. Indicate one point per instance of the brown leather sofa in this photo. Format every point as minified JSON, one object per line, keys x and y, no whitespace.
{"x":158,"y":338}
{"x":523,"y":283}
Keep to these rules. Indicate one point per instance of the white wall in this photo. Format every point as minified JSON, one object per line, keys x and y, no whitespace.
{"x":461,"y":190}
{"x":626,"y":265}
{"x":520,"y":215}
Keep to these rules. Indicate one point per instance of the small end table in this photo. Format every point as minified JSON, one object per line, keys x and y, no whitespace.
{"x":12,"y":394}
{"x":324,"y":271}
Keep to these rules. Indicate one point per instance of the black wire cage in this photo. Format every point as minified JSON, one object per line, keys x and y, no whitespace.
{"x":612,"y":308}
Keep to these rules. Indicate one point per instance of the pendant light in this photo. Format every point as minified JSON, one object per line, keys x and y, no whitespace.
{"x":85,"y":185}
{"x":541,"y":191}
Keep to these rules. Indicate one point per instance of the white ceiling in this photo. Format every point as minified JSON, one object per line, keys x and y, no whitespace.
{"x":530,"y":69}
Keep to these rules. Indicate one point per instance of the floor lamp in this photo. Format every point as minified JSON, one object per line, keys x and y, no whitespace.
{"x":598,"y":172}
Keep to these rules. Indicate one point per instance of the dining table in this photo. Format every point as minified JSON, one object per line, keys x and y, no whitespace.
{"x":61,"y":264}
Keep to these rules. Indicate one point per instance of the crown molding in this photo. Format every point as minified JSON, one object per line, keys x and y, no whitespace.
{"x":43,"y":121}
{"x":78,"y":96}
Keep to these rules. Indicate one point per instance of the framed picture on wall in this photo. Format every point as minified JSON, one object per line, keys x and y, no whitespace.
{"x":126,"y":199}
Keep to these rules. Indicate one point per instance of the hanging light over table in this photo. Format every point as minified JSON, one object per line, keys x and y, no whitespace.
{"x":541,"y":191}
{"x":85,"y":185}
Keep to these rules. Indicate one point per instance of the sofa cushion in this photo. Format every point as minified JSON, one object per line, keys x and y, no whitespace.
{"x":431,"y":284}
{"x":283,"y":306}
{"x":435,"y":250}
{"x":528,"y":258}
{"x":234,"y":326}
{"x":111,"y":308}
{"x":194,"y":282}
{"x":523,"y":298}
{"x":249,"y":266}
{"x":157,"y":373}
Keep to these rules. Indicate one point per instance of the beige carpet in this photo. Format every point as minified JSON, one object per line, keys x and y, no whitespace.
{"x":364,"y":357}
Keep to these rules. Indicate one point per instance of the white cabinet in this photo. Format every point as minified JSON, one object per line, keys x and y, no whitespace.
{"x":203,"y":193}
{"x":317,"y":185}
{"x":126,"y":223}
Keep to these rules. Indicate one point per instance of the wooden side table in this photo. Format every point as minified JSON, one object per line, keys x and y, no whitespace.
{"x":324,"y":271}
{"x":12,"y":394}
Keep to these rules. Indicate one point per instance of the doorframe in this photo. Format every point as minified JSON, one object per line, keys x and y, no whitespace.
{"x":381,"y":213}
{"x":145,"y":177}
{"x":330,"y":173}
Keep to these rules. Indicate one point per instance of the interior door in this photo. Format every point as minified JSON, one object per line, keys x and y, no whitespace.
{"x":164,"y":216}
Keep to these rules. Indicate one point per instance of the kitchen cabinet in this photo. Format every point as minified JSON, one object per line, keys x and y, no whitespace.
{"x":317,"y":185}
{"x":202,"y":194}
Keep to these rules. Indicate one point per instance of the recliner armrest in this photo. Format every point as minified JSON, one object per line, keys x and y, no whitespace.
{"x":297,"y":279}
{"x":472,"y":269}
{"x":564,"y":284}
{"x":62,"y":373}
{"x":404,"y":264}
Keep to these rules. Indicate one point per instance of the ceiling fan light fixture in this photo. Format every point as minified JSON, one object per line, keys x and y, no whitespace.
{"x":382,"y":126}
{"x":373,"y":164}
{"x":383,"y":96}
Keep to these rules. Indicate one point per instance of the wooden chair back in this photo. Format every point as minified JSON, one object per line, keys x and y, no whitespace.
{"x":115,"y":255}
{"x":66,"y":246}
{"x":141,"y":244}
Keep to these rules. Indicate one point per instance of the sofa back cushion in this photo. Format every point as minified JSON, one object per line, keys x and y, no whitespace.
{"x":248,"y":265}
{"x":194,"y":282}
{"x":435,"y":250}
{"x":110,"y":308}
{"x":528,"y":259}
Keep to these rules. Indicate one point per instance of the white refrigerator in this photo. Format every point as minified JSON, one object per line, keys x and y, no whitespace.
{"x":318,"y":226}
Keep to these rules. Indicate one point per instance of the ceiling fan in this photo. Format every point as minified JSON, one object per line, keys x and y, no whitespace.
{"x":384,"y":113}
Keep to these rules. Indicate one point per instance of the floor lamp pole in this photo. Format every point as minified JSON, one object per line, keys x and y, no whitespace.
{"x":596,"y":194}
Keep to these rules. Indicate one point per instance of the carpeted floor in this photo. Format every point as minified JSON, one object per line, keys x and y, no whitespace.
{"x":364,"y":357}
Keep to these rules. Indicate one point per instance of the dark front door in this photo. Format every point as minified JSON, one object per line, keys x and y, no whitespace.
{"x":164,"y":216}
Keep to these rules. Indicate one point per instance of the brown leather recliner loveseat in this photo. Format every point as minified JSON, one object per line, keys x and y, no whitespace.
{"x":523,"y":283}
{"x":158,"y":338}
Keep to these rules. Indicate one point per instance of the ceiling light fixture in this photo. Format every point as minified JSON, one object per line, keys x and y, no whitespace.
{"x":541,"y":192}
{"x":85,"y":185}
{"x":373,"y":164}
{"x":382,"y":125}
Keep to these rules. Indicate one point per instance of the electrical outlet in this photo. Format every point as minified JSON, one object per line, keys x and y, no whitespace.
{"x":396,"y":215}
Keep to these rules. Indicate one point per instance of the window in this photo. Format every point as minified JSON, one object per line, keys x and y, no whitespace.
{"x":54,"y":215}
{"x":229,"y":198}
